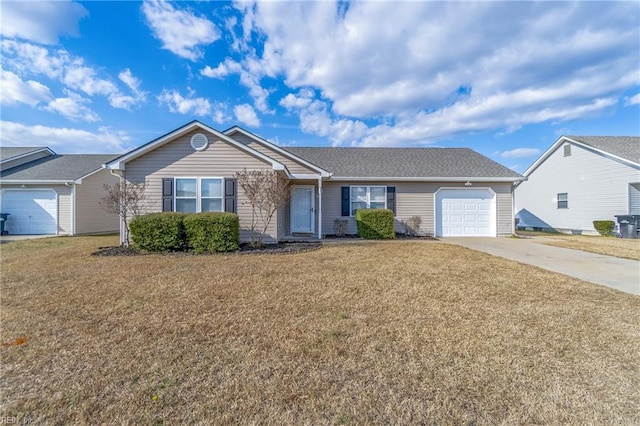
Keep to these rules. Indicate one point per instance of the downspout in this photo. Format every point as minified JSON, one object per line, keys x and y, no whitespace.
{"x":320,"y":207}
{"x":123,"y":229}
{"x":73,"y":206}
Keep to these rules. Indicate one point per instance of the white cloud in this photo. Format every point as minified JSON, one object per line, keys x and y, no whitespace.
{"x":128,"y":78}
{"x":250,"y":72}
{"x":72,"y":71}
{"x":520,"y":153}
{"x":189,"y":105}
{"x":40,"y":21}
{"x":73,"y":107}
{"x":64,"y":140}
{"x":127,"y":102}
{"x":403,"y":83}
{"x":29,"y":58}
{"x":15,"y":90}
{"x":80,"y":77}
{"x":180,"y":31}
{"x":247,"y":115}
{"x":633,"y":100}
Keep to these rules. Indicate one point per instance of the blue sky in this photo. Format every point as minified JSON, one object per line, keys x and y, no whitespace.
{"x":504,"y":78}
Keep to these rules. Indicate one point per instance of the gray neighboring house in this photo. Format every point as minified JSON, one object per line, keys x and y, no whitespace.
{"x":455,"y":192}
{"x":51,"y":194}
{"x":580,"y":179}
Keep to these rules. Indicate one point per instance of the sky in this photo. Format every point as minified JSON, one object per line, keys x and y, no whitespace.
{"x":506,"y":79}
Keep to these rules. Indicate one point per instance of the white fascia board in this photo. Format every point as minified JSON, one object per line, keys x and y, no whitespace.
{"x":276,"y":148}
{"x":26,"y":154}
{"x":119,"y":163}
{"x":305,"y":176}
{"x":544,"y":155}
{"x":426,"y":179}
{"x":604,"y":153}
{"x":564,"y":139}
{"x":35,"y":182}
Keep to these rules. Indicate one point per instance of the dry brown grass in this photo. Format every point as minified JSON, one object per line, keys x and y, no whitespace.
{"x":392,"y":333}
{"x":609,"y":246}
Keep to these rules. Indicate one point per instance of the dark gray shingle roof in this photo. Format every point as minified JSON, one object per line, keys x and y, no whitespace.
{"x":58,"y":167}
{"x":627,"y":147}
{"x":7,"y":152}
{"x":404,"y":162}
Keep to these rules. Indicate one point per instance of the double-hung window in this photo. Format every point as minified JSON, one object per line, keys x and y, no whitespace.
{"x":368,"y":197}
{"x":563,"y":200}
{"x":195,"y":194}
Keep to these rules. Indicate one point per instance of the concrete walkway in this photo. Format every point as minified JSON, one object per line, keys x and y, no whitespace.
{"x":10,"y":238}
{"x":621,"y":274}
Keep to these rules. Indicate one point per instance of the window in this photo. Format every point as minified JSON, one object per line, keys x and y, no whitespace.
{"x":563,"y":200}
{"x":198,"y":195}
{"x":368,"y":197}
{"x":567,"y":150}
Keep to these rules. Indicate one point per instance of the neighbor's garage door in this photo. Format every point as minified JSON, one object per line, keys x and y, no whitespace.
{"x":465,"y":213}
{"x":30,"y":211}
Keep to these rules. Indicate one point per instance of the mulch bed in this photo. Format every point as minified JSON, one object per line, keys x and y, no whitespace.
{"x":280,"y":248}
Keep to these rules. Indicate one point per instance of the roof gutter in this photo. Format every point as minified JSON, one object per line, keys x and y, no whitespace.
{"x":429,"y":179}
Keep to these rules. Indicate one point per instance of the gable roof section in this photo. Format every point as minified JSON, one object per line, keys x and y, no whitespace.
{"x":9,"y":153}
{"x":119,"y":162}
{"x":432,"y":164}
{"x":284,"y":152}
{"x":56,"y":169}
{"x":625,"y":149}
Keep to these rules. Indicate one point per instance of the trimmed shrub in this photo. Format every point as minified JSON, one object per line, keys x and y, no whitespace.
{"x":212,"y":232}
{"x":375,"y":224}
{"x":159,"y":232}
{"x":604,"y":227}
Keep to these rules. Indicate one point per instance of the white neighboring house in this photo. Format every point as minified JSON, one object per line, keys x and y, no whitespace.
{"x":580,"y":179}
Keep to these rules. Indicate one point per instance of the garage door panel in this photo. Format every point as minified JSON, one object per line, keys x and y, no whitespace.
{"x":30,"y":211}
{"x":465,"y":213}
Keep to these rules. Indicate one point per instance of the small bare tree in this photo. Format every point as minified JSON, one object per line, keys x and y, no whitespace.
{"x":126,"y":200}
{"x":266,"y":192}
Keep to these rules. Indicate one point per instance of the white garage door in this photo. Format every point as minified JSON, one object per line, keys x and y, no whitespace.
{"x":30,"y":211}
{"x":465,"y":213}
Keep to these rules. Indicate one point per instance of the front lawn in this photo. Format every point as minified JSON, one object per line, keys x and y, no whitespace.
{"x":610,"y":246}
{"x":393,"y":333}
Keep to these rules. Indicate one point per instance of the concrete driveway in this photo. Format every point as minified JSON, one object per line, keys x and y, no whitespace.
{"x":621,"y":274}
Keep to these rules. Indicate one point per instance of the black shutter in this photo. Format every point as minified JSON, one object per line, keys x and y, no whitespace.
{"x":230,"y":195}
{"x":167,"y":194}
{"x":391,"y":199}
{"x":345,"y":201}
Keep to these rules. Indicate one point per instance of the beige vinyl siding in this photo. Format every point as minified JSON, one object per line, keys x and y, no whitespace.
{"x":90,"y":217}
{"x":414,"y":199}
{"x":597,"y":188}
{"x":179,"y":159}
{"x":23,"y":160}
{"x":64,"y":204}
{"x":293,"y":166}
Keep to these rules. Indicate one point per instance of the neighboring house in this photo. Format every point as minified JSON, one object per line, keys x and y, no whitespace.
{"x":46,"y":193}
{"x":580,"y":179}
{"x":456,"y":192}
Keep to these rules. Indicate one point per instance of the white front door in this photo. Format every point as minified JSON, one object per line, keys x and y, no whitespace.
{"x":302,"y":209}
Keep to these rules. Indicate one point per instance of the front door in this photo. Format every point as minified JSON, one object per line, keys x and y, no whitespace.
{"x":302,"y":209}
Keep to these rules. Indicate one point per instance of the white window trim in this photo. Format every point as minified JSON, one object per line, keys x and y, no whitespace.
{"x":199,"y":197}
{"x":351,"y":213}
{"x":566,"y":200}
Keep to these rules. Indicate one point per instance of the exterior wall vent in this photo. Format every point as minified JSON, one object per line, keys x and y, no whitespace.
{"x":199,"y":142}
{"x":567,"y":150}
